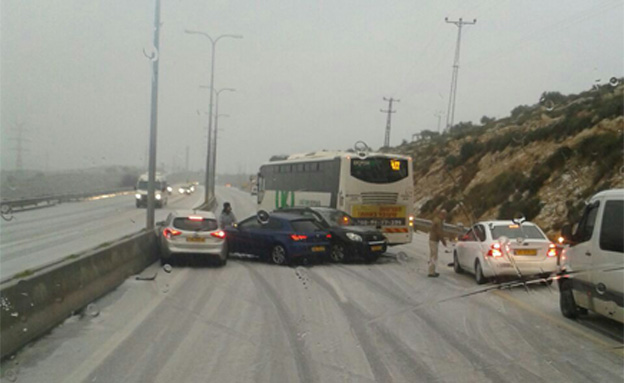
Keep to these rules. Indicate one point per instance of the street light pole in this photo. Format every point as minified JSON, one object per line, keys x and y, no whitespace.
{"x":214,"y":141}
{"x":209,"y":192}
{"x":151,"y":171}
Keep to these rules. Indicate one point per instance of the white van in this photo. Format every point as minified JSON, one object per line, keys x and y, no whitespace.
{"x":593,"y":265}
{"x":160,"y":189}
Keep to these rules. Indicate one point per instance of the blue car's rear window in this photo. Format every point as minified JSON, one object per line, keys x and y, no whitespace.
{"x":304,"y":225}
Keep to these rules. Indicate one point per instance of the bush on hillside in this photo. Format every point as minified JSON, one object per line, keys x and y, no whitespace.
{"x":451,"y":161}
{"x":469,"y":149}
{"x":486,"y":195}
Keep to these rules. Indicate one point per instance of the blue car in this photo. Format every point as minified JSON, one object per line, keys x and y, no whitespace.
{"x":281,"y":238}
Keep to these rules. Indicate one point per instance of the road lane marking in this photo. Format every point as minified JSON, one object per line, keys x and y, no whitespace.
{"x":611,"y":347}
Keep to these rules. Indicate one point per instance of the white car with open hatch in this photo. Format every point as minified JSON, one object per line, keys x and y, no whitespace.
{"x":193,"y":233}
{"x":493,"y":249}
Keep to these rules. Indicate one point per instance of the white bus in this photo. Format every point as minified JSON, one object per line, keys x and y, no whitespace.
{"x":375,"y":188}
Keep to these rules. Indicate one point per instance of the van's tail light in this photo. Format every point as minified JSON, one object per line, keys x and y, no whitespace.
{"x":218,"y":234}
{"x":552,"y":250}
{"x":495,"y":251}
{"x":297,"y":237}
{"x":168,"y":232}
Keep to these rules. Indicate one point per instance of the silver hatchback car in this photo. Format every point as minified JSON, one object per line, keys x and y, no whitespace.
{"x":194,"y":233}
{"x":494,"y":249}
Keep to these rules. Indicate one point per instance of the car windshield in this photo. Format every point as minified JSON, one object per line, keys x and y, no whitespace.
{"x":515,"y":231}
{"x":143,"y":185}
{"x":336,"y":217}
{"x":195,"y":224}
{"x":342,"y":149}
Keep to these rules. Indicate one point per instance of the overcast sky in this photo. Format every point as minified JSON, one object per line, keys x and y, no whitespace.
{"x":309,"y":75}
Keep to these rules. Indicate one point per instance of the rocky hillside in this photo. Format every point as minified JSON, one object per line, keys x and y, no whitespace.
{"x":543,"y":161}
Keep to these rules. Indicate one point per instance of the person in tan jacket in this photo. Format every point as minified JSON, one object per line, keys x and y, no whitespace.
{"x":435,"y":235}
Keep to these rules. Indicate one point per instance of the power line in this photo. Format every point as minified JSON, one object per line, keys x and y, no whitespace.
{"x":388,"y":121}
{"x":450,"y":115}
{"x":529,"y":38}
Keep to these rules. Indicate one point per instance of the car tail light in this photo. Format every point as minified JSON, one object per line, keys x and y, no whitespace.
{"x":218,"y":234}
{"x":328,"y":236}
{"x":297,"y":237}
{"x":552,"y":250}
{"x":195,"y":218}
{"x":168,"y":232}
{"x":495,"y":251}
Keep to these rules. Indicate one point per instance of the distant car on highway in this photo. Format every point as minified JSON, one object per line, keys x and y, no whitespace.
{"x":592,"y":274}
{"x":348,"y":240}
{"x":493,"y":249}
{"x":160,"y":190}
{"x":186,"y":189}
{"x":282,"y":238}
{"x":195,"y":233}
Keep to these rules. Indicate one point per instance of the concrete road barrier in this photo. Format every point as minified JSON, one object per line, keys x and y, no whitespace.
{"x":32,"y":305}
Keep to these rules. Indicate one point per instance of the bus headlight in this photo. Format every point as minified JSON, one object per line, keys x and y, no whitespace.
{"x":354,"y":237}
{"x":138,"y":196}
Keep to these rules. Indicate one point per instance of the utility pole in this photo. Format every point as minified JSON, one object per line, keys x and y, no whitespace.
{"x":450,"y":115}
{"x":388,"y":121}
{"x":439,"y":114}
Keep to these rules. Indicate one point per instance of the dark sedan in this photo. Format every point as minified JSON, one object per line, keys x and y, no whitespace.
{"x":281,"y":238}
{"x":348,"y":240}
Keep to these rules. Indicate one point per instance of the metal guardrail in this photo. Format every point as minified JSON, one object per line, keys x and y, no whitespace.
{"x":30,"y":203}
{"x":446,"y":227}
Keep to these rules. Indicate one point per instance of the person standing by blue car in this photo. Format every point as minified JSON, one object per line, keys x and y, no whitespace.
{"x":227,"y":217}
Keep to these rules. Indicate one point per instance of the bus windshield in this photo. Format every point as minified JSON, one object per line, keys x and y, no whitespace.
{"x":379,"y":170}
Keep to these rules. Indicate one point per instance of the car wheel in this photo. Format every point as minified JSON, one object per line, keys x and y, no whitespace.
{"x":278,"y":255}
{"x":338,"y":252}
{"x":225,"y":252}
{"x":456,"y":265}
{"x":567,"y":304}
{"x":138,"y":204}
{"x":479,"y":273}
